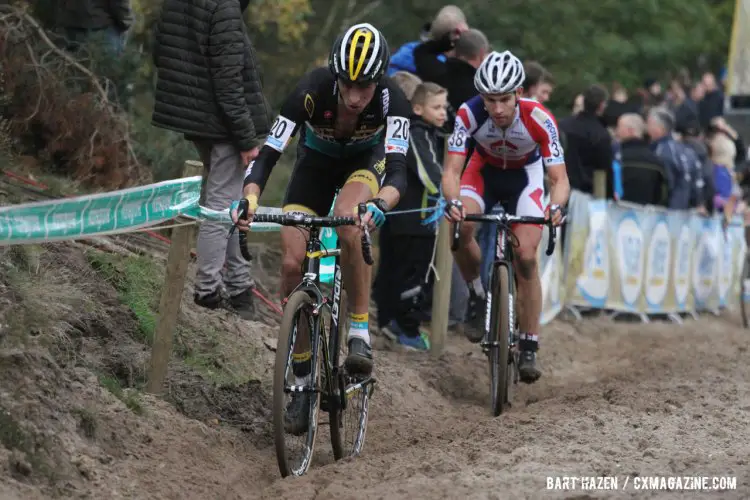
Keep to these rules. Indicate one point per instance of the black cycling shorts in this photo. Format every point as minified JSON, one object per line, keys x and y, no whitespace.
{"x":316,"y":177}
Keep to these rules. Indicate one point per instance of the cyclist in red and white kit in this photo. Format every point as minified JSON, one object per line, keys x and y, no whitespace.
{"x":516,"y":139}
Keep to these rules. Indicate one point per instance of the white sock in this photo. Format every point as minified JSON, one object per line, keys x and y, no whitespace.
{"x":476,"y":285}
{"x":359,"y":327}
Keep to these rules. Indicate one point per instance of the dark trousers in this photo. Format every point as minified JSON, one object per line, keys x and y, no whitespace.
{"x":400,"y":290}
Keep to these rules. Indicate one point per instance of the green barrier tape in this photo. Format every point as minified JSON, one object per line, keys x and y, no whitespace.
{"x":110,"y":213}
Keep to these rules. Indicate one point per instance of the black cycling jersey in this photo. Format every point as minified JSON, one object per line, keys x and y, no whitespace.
{"x":313,"y":106}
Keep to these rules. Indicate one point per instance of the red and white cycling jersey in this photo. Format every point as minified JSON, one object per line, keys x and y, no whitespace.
{"x":507,"y":166}
{"x":533,"y":133}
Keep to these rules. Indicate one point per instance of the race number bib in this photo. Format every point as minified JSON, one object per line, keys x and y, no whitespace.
{"x":281,"y":131}
{"x":457,"y":141}
{"x":397,"y":135}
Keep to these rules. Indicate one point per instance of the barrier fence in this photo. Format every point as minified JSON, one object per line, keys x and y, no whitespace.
{"x":618,"y":257}
{"x":642,"y":260}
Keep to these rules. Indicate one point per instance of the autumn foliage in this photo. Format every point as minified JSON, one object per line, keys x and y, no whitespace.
{"x":59,"y":111}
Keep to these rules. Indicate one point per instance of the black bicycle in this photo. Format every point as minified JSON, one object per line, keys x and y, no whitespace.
{"x":501,"y":330}
{"x":334,"y":390}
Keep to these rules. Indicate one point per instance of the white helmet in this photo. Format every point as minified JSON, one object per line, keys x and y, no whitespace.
{"x":499,"y":73}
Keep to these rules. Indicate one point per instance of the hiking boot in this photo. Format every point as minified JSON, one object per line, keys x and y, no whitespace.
{"x":527,"y":369}
{"x":474,"y":324}
{"x":412,"y":341}
{"x":359,"y":360}
{"x":214,"y":300}
{"x":243,"y":305}
{"x":297,"y":416}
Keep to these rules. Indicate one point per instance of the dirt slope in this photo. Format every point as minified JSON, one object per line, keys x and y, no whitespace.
{"x":615,"y":399}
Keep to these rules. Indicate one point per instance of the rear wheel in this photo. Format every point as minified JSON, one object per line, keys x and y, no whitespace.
{"x":295,"y":459}
{"x":499,"y":340}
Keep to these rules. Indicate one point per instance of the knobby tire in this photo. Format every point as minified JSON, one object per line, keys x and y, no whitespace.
{"x":499,"y":356}
{"x":297,"y":301}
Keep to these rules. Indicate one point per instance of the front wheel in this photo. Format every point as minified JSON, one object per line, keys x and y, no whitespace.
{"x":297,"y":325}
{"x":501,"y":366}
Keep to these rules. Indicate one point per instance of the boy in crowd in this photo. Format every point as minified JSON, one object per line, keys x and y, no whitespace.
{"x":406,"y":245}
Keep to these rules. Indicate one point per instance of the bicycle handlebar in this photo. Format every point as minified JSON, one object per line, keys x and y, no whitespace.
{"x":505,"y":219}
{"x":305,"y":220}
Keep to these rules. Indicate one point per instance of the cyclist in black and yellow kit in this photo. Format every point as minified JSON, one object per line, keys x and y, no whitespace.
{"x":354,"y":125}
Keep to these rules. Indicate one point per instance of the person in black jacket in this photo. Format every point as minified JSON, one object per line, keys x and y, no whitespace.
{"x":588,"y":144}
{"x":456,"y":74}
{"x":209,"y":89}
{"x":644,"y":176}
{"x":406,"y":244}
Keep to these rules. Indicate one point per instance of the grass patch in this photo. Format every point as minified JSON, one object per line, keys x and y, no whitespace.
{"x":138,"y":281}
{"x":204,"y":356}
{"x":86,"y":422}
{"x":131,"y":397}
{"x":41,"y":291}
{"x":213,"y":355}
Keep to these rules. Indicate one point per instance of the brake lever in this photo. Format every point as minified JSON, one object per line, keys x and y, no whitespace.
{"x":242,"y":214}
{"x":242,"y":210}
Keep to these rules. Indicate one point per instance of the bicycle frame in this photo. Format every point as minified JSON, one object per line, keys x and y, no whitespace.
{"x":311,"y":284}
{"x":503,"y":257}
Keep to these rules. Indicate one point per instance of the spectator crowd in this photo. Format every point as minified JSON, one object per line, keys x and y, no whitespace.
{"x":664,"y":146}
{"x":661,"y":145}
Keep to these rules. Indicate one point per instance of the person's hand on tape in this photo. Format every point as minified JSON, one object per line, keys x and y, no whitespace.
{"x":556,"y":214}
{"x":244,"y":224}
{"x":375,"y":215}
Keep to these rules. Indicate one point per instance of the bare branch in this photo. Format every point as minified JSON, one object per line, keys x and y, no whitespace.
{"x":366,"y":10}
{"x":83,"y":127}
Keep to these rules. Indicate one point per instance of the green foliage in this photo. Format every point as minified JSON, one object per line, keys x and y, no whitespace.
{"x":586,"y":42}
{"x":131,"y":397}
{"x":579,"y":42}
{"x":138,"y":281}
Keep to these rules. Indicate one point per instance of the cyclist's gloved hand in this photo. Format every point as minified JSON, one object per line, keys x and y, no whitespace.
{"x":556,"y":214}
{"x":252,"y":207}
{"x":377,"y":209}
{"x":454,"y":210}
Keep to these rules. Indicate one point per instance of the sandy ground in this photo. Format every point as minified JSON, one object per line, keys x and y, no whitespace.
{"x":616,"y":399}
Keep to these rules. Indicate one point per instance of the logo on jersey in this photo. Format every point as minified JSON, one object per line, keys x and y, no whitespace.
{"x":249,"y":168}
{"x":545,"y":121}
{"x":379,"y":166}
{"x":328,"y":115}
{"x":502,"y":146}
{"x":309,"y":105}
{"x":386,"y":101}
